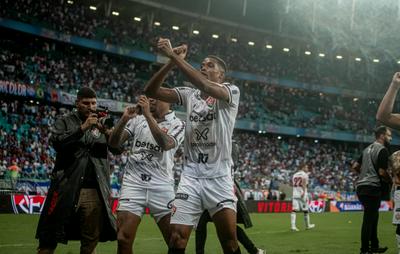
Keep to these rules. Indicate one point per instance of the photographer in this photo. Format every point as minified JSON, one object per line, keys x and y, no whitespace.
{"x":77,"y":205}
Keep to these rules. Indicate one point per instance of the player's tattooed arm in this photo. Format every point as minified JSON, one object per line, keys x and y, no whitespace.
{"x":153,"y":87}
{"x":118,"y":136}
{"x":163,"y":139}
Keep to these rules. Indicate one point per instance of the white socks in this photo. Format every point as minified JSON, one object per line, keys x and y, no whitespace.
{"x":307,"y":219}
{"x":293,"y":219}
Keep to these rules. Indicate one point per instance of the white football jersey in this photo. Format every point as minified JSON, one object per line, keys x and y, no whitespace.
{"x":208,"y":134}
{"x":299,"y":181}
{"x":149,"y":166}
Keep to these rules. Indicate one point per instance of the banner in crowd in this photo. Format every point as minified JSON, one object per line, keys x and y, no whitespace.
{"x":250,"y":194}
{"x":353,"y":206}
{"x":315,"y":206}
{"x":33,"y":204}
{"x":33,"y":186}
{"x":29,"y":204}
{"x":54,"y":95}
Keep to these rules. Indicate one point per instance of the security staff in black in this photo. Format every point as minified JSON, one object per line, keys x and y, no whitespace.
{"x":372,"y":167}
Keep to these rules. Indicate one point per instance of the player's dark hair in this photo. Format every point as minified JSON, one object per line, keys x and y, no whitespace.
{"x":220,"y":62}
{"x":302,"y":165}
{"x":380,"y":130}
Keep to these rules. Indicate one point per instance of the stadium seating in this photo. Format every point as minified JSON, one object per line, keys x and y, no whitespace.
{"x":25,"y":142}
{"x":50,"y":64}
{"x":78,"y":19}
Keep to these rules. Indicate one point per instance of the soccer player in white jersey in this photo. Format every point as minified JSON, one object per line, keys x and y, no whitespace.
{"x":300,"y":197}
{"x":206,"y":181}
{"x":394,"y":167}
{"x":148,"y":179}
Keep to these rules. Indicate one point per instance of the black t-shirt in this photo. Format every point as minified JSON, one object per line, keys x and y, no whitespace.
{"x":383,"y":159}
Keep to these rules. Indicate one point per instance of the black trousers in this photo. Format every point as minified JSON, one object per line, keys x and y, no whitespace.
{"x":369,"y":229}
{"x":201,"y":235}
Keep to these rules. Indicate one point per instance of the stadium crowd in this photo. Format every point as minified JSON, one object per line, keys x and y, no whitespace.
{"x":49,"y":64}
{"x":26,"y":150}
{"x":74,"y":18}
{"x":266,"y":160}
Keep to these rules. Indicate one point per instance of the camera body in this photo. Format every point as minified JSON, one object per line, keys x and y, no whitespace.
{"x":104,"y":118}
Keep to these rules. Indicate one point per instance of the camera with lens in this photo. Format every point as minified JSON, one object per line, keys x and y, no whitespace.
{"x":104,"y":117}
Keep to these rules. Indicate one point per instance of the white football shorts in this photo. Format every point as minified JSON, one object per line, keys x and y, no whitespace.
{"x":299,"y":205}
{"x":194,"y":195}
{"x":135,"y":200}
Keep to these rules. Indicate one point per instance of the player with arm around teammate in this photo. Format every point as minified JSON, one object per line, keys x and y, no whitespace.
{"x":300,"y":197}
{"x":148,"y":179}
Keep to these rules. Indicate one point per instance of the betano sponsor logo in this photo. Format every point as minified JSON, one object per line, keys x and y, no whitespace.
{"x":209,"y":117}
{"x":148,"y":145}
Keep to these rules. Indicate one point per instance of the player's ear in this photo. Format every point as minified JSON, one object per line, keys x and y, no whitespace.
{"x":222,"y":76}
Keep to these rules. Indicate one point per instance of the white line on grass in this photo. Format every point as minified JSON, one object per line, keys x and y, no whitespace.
{"x":267,"y":232}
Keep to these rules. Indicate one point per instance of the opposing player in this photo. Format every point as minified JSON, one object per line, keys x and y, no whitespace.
{"x":206,"y":181}
{"x":300,"y":197}
{"x":148,"y":180}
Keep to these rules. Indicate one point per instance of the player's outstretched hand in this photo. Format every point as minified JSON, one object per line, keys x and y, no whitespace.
{"x":181,"y":51}
{"x":129,"y":112}
{"x":165,"y":47}
{"x":396,"y":79}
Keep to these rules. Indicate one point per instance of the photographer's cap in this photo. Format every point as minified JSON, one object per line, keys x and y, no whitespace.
{"x":86,"y":92}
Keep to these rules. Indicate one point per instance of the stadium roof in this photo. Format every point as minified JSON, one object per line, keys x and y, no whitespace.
{"x":350,"y":25}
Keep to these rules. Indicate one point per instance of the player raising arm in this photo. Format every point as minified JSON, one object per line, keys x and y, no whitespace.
{"x":206,"y":181}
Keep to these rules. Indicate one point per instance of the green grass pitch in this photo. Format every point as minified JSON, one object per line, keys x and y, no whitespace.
{"x":334,"y":233}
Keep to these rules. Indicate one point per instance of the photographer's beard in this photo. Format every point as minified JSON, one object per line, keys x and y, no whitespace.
{"x":84,"y":112}
{"x":386,"y":143}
